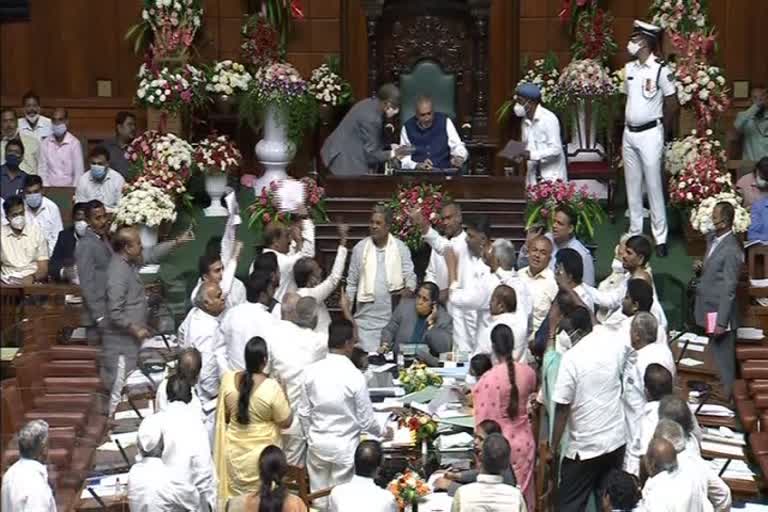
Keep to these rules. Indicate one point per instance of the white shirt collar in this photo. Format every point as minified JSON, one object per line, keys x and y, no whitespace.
{"x":490,"y":479}
{"x":650,"y":61}
{"x":720,"y":238}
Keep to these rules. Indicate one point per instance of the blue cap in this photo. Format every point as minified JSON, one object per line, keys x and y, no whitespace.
{"x":530,"y":91}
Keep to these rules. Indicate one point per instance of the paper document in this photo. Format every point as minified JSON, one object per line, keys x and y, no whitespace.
{"x":691,"y":346}
{"x":8,"y":353}
{"x":512,"y":150}
{"x":131,"y":414}
{"x":290,"y":195}
{"x":689,"y":362}
{"x":105,"y":486}
{"x":382,"y":368}
{"x":716,"y":410}
{"x":722,"y":448}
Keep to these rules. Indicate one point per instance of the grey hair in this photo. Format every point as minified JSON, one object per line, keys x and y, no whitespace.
{"x":32,"y":438}
{"x":306,"y":313}
{"x":672,"y":432}
{"x":288,"y":306}
{"x":384,"y":210}
{"x":389,"y":93}
{"x":646,"y":326}
{"x":504,"y":250}
{"x":199,"y":300}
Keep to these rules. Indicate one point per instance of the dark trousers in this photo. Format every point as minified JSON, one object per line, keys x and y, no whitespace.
{"x":580,"y":478}
{"x":723,"y":349}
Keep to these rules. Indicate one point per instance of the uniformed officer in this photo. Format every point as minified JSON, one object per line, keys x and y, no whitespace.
{"x":650,"y":95}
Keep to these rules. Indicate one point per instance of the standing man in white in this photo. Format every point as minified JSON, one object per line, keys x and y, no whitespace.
{"x":650,"y":96}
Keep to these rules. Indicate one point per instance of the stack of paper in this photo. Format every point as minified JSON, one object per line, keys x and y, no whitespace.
{"x":460,"y":441}
{"x":750,"y":333}
{"x":758,"y":283}
{"x":716,"y":410}
{"x":737,"y":469}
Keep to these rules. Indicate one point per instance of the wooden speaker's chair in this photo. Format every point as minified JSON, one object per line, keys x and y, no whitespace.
{"x":427,"y":78}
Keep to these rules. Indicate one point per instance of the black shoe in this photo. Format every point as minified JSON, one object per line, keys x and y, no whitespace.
{"x":661,"y":250}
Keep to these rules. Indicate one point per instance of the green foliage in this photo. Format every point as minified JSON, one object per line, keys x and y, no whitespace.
{"x":299,"y":113}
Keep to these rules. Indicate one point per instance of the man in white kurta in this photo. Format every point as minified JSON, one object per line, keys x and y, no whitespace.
{"x":362,"y":488}
{"x":669,"y":489}
{"x":278,"y":240}
{"x":334,"y":410}
{"x":25,"y":484}
{"x":297,"y":346}
{"x":151,"y":486}
{"x":539,"y":279}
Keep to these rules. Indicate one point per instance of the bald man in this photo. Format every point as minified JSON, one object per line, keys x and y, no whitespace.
{"x":668,"y":489}
{"x":506,"y":310}
{"x":127,"y":322}
{"x":539,"y":279}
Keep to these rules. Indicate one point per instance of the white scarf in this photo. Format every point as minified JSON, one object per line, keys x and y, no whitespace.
{"x":393,"y":268}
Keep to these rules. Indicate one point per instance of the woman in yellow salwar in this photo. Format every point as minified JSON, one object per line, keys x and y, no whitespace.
{"x":251,"y":411}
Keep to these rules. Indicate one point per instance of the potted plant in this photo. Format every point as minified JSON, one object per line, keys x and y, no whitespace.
{"x":216,"y":157}
{"x":280,"y":14}
{"x":227,"y":81}
{"x":164,"y":161}
{"x":146,"y":207}
{"x":168,"y":93}
{"x":329,"y":89}
{"x":260,"y":46}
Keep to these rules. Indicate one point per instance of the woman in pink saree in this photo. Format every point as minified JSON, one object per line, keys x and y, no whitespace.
{"x":502,"y":395}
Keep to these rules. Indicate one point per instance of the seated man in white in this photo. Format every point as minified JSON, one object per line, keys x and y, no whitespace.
{"x":25,"y":484}
{"x":100,"y":181}
{"x":668,"y":488}
{"x":436,"y":142}
{"x":350,"y":496}
{"x":42,"y":210}
{"x":151,"y":486}
{"x":490,"y":492}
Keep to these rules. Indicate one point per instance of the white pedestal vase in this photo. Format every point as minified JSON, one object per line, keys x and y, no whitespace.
{"x":274,"y":151}
{"x":216,"y":187}
{"x":148,"y":235}
{"x":584,"y":135}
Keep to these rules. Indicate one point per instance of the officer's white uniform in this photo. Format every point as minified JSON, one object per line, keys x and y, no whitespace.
{"x":646,"y":86}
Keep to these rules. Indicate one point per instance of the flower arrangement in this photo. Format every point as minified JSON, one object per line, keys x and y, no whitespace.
{"x":703,"y":87}
{"x":281,"y":86}
{"x":164,"y":148}
{"x":425,"y":197}
{"x":417,"y":377}
{"x":266,"y":209}
{"x":328,"y":87}
{"x":145,"y":204}
{"x":280,"y":14}
{"x":701,"y":178}
{"x":216,"y":155}
{"x":679,"y":16}
{"x":168,"y":27}
{"x":170,"y":90}
{"x":408,"y":488}
{"x":593,"y":35}
{"x":542,"y":72}
{"x":701,"y":216}
{"x":585,"y":78}
{"x":680,"y":153}
{"x":227,"y":78}
{"x":544,"y":197}
{"x":260,"y":45}
{"x":160,"y":175}
{"x":422,"y":427}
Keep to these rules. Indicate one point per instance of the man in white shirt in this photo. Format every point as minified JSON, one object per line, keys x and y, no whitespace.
{"x":651,"y":97}
{"x":436,"y":143}
{"x":502,"y":264}
{"x":505,"y":310}
{"x":690,"y":462}
{"x":541,"y":137}
{"x":211,"y":269}
{"x":244,"y":321}
{"x":100,"y":181}
{"x":23,"y":249}
{"x":564,"y":238}
{"x":188,"y":365}
{"x":33,"y":123}
{"x":349,"y":496}
{"x":334,"y":410}
{"x":658,"y":383}
{"x":9,"y":129}
{"x":25,"y":484}
{"x":569,"y":273}
{"x":453,"y":231}
{"x":669,"y":489}
{"x":294,"y":349}
{"x":277,"y":239}
{"x":42,"y":210}
{"x":539,"y":279}
{"x":490,"y":492}
{"x":187,"y":450}
{"x":588,"y":398}
{"x":151,"y":486}
{"x":310,"y":283}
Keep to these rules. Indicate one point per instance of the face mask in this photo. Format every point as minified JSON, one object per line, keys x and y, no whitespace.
{"x":391,"y":112}
{"x":80,"y":227}
{"x":563,"y":342}
{"x":18,"y":222}
{"x":34,"y":200}
{"x":761,"y":183}
{"x":12,"y":161}
{"x":633,"y":48}
{"x":59,"y":129}
{"x":470,"y":380}
{"x":519,"y":110}
{"x":617,"y":267}
{"x":32,"y":118}
{"x":98,"y":172}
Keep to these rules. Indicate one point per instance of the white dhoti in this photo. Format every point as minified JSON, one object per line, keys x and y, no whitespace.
{"x":643,"y":154}
{"x":325,"y":474}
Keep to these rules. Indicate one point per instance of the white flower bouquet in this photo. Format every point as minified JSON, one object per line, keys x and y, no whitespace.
{"x":328,"y":87}
{"x":217,"y":155}
{"x":702,"y":87}
{"x":679,"y":16}
{"x":162,"y":159}
{"x":147,"y":205}
{"x":586,"y":78}
{"x":227,"y":78}
{"x":545,"y":74}
{"x":701,"y":216}
{"x":680,"y":153}
{"x":170,"y":90}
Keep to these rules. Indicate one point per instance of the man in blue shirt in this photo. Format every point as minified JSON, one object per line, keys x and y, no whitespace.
{"x":758,"y":229}
{"x":11,"y":176}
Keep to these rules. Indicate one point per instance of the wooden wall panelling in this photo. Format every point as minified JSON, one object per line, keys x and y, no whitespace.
{"x":354,"y":47}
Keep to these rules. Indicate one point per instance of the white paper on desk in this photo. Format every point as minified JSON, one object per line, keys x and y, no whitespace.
{"x":737,"y":469}
{"x":691,"y":363}
{"x":78,"y":334}
{"x":149,"y":269}
{"x":290,"y":195}
{"x":749,"y":333}
{"x":104,"y":486}
{"x":382,"y":368}
{"x":453,"y":441}
{"x":694,"y":347}
{"x":716,"y":410}
{"x":387,"y":406}
{"x":126,"y":439}
{"x":73,"y":299}
{"x":157,"y":342}
{"x":758,"y":283}
{"x":722,"y":448}
{"x":136,"y":378}
{"x":131,"y":414}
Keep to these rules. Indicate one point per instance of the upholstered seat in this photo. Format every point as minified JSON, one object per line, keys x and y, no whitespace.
{"x":747,"y":414}
{"x":427,"y":79}
{"x":747,"y":352}
{"x":755,"y":369}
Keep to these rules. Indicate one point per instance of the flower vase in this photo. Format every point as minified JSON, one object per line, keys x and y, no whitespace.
{"x":148,"y":235}
{"x":165,"y":122}
{"x":274,"y":151}
{"x":584,"y":145}
{"x":225,"y":105}
{"x":215,"y":187}
{"x":411,"y":507}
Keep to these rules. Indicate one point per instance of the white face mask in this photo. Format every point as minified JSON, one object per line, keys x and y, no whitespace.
{"x":519,"y":110}
{"x":391,"y":112}
{"x":760,"y":182}
{"x":617,"y":267}
{"x":563,"y":342}
{"x":80,"y":227}
{"x":18,"y":222}
{"x":633,"y":48}
{"x":32,"y":118}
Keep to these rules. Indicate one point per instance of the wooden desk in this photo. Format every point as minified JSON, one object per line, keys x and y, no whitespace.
{"x":460,"y":187}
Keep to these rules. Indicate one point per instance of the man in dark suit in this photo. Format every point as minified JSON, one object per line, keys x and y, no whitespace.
{"x":357,"y":144}
{"x":62,"y":267}
{"x":92,"y":255}
{"x":716,"y":310}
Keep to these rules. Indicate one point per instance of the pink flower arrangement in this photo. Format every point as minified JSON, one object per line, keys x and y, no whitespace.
{"x":161,"y":176}
{"x":266,"y":208}
{"x":217,"y":155}
{"x":162,"y":159}
{"x":701,"y":178}
{"x":586,"y":78}
{"x":703,"y":88}
{"x":427,"y":198}
{"x":260,"y":45}
{"x":174,"y":24}
{"x":170,"y":90}
{"x":546,"y":196}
